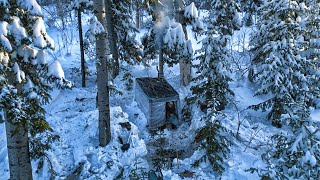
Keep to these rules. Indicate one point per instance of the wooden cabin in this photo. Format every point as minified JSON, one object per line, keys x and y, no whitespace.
{"x":153,"y":96}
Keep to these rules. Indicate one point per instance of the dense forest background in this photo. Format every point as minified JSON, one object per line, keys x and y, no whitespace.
{"x":247,"y":75}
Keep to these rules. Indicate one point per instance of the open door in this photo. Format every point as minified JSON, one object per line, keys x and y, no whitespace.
{"x":171,"y":113}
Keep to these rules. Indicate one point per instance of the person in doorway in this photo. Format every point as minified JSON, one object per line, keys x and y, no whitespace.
{"x":171,"y":115}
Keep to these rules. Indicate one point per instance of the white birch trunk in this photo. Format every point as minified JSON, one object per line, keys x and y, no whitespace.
{"x":17,"y":144}
{"x":102,"y":53}
{"x":18,"y":152}
{"x":17,"y":141}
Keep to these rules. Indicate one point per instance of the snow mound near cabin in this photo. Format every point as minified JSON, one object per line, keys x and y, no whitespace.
{"x":109,"y":162}
{"x":78,"y":143}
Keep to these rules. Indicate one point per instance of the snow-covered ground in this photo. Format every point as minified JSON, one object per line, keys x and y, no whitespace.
{"x":74,"y":117}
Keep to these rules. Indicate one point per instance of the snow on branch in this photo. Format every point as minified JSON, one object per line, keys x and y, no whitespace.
{"x":55,"y":69}
{"x":56,"y":76}
{"x":191,"y":11}
{"x":4,"y":42}
{"x":40,"y":37}
{"x":95,"y":28}
{"x":192,"y":17}
{"x":5,"y":3}
{"x":30,"y":5}
{"x":81,"y":4}
{"x":16,"y":30}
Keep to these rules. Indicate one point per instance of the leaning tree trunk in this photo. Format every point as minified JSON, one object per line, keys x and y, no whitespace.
{"x":17,"y":143}
{"x":102,"y":54}
{"x":185,"y":66}
{"x":83,"y":67}
{"x":112,"y":39}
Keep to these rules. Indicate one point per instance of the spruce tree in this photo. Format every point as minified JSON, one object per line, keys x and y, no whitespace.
{"x":282,"y":70}
{"x":212,"y":83}
{"x":25,"y":81}
{"x":250,"y":9}
{"x":130,"y":50}
{"x":126,"y":32}
{"x":295,"y":153}
{"x":287,"y":54}
{"x":168,"y":39}
{"x":211,"y":89}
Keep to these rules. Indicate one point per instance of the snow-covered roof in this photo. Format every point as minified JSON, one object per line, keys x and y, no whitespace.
{"x":156,"y":88}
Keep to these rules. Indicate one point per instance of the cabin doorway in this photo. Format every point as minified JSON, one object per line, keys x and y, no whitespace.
{"x":171,"y":114}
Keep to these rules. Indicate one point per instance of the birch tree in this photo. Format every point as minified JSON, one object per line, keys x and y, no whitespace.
{"x":103,"y":57}
{"x":25,"y":79}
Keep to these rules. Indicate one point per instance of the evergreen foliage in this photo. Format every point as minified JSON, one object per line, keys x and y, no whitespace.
{"x":213,"y":140}
{"x":126,"y":30}
{"x":295,"y":154}
{"x":25,"y":80}
{"x":250,"y":9}
{"x":149,"y":46}
{"x":211,"y":89}
{"x":286,"y":58}
{"x":168,"y":36}
{"x":282,"y":70}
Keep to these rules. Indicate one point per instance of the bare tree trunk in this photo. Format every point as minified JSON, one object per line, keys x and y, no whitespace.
{"x":161,"y":62}
{"x":251,"y":74}
{"x":112,"y":39}
{"x":18,"y":151}
{"x":17,"y":141}
{"x":83,"y":67}
{"x":102,"y":53}
{"x":137,"y":14}
{"x":185,"y":66}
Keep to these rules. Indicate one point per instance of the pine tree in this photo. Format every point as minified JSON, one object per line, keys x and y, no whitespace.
{"x":211,"y":89}
{"x":130,"y":49}
{"x":213,"y":139}
{"x":25,"y":81}
{"x":295,"y":153}
{"x":282,"y":70}
{"x":311,"y":52}
{"x":250,"y":8}
{"x":168,"y":38}
{"x":287,"y":52}
{"x":126,"y":32}
{"x":212,"y":83}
